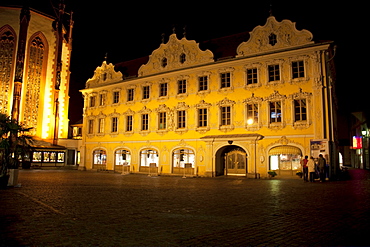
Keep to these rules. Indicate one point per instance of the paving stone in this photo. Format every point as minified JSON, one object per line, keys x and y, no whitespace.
{"x":85,"y":208}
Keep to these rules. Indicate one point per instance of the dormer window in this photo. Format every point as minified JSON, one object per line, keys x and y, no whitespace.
{"x":164,"y":62}
{"x":182,"y":58}
{"x":272,"y":39}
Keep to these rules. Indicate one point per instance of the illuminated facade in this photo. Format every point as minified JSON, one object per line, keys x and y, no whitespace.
{"x":35,"y":54}
{"x":203,"y":112}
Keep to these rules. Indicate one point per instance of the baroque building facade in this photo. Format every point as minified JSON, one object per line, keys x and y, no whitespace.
{"x":240,"y":105}
{"x":35,"y":52}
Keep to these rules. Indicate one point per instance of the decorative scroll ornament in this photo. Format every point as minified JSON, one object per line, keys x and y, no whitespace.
{"x":105,"y":74}
{"x":274,"y":35}
{"x":175,"y":54}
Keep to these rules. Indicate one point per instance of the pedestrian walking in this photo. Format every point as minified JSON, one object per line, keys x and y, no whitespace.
{"x":304,"y":168}
{"x":322,"y":166}
{"x":311,"y":169}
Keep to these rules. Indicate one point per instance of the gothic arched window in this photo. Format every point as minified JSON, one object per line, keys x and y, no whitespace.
{"x":7,"y":48}
{"x":36,"y":59}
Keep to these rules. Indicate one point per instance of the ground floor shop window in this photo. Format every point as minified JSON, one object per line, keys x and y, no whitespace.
{"x":285,"y":159}
{"x":100,"y":160}
{"x":148,"y":159}
{"x":48,"y":157}
{"x":183,"y":159}
{"x":122,"y":160}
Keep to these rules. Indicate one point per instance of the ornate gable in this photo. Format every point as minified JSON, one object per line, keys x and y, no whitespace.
{"x":175,"y":54}
{"x":274,"y":35}
{"x":105,"y":74}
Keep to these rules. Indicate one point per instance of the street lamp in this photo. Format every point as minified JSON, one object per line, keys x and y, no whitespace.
{"x":364,"y":132}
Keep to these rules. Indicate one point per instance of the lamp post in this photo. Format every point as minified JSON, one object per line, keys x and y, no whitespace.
{"x":365,"y":150}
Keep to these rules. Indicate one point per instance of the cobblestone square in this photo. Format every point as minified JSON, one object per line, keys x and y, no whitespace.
{"x":85,"y":208}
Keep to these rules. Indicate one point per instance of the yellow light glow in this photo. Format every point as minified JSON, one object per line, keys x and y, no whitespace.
{"x":250,"y":121}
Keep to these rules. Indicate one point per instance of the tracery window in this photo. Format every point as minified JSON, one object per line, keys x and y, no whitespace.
{"x":7,"y":47}
{"x":34,"y":75}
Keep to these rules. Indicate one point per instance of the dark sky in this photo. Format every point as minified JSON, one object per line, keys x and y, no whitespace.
{"x":131,"y":29}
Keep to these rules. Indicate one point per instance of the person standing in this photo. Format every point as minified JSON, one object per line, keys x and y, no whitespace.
{"x":321,"y":166}
{"x":304,"y":168}
{"x":311,"y":169}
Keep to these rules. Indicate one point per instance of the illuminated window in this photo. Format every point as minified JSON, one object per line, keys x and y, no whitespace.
{"x":36,"y":156}
{"x":162,"y":120}
{"x":252,"y":113}
{"x":275,"y":111}
{"x":181,"y":86}
{"x":99,"y":157}
{"x":252,"y":76}
{"x":183,"y":157}
{"x":122,"y":157}
{"x":274,"y":72}
{"x":298,"y":69}
{"x":225,"y":115}
{"x":203,"y":83}
{"x":300,"y":110}
{"x":46,"y":156}
{"x":53,"y":156}
{"x":60,"y":157}
{"x":148,"y":157}
{"x":225,"y":79}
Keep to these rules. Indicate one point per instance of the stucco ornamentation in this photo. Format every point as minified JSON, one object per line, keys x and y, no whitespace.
{"x":105,"y":74}
{"x":175,"y":54}
{"x":274,"y":35}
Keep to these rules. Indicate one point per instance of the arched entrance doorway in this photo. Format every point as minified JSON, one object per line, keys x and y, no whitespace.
{"x":231,"y":160}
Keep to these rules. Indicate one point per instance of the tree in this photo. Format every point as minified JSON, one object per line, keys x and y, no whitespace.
{"x":14,"y":144}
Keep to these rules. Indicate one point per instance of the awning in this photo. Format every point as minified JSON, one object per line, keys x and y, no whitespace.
{"x":285,"y":150}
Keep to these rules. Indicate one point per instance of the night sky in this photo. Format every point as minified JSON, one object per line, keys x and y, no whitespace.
{"x":127,"y":30}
